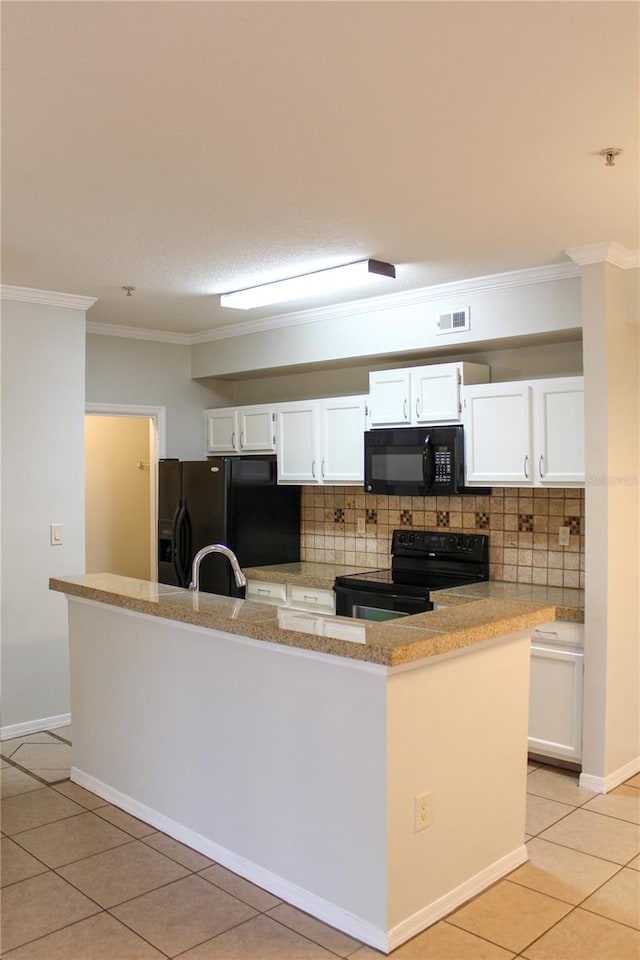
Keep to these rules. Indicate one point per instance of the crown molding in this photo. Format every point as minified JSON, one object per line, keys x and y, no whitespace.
{"x":441,"y":291}
{"x":48,"y":297}
{"x":607,"y":252}
{"x":138,"y":333}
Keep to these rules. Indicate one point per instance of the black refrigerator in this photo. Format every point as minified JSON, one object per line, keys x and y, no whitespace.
{"x":231,"y":500}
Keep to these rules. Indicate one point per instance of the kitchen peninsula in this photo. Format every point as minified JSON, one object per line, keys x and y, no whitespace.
{"x":293,"y":748}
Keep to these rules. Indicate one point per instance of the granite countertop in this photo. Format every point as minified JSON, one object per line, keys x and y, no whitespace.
{"x":304,"y":573}
{"x":468,"y":622}
{"x":568,"y":601}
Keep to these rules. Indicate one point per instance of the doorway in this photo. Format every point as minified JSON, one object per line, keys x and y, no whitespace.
{"x":122,"y":446}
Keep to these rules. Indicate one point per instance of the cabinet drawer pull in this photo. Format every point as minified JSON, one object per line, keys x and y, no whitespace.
{"x":526,"y":467}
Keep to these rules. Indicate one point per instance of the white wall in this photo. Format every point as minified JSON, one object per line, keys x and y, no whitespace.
{"x":497,"y":314}
{"x":612,"y":504}
{"x":561,"y":359}
{"x":42,"y":483}
{"x":154,"y":374}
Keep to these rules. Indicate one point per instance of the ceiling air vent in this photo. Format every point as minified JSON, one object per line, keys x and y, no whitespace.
{"x":454,"y":322}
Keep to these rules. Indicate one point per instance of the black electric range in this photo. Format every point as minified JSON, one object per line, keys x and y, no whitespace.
{"x":421,"y":561}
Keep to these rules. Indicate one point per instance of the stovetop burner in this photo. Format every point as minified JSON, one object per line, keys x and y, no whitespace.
{"x":423,"y":561}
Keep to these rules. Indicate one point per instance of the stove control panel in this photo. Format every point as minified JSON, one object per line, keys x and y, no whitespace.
{"x":427,"y":544}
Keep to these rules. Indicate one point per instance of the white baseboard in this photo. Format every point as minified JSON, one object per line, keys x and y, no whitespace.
{"x":612,"y":780}
{"x":454,"y":898}
{"x":318,"y":907}
{"x":322,"y":909}
{"x":34,"y":726}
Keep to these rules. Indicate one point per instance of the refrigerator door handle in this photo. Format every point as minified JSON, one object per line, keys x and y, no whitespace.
{"x":185,"y":547}
{"x":180,"y":553}
{"x":174,"y":539}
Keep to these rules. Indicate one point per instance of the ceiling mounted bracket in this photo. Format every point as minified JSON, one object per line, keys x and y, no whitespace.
{"x":610,"y":154}
{"x":128,"y":291}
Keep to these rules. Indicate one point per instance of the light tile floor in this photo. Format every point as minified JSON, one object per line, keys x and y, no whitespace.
{"x":83,"y":880}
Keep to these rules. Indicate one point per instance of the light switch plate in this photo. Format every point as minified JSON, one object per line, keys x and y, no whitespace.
{"x":55,"y":535}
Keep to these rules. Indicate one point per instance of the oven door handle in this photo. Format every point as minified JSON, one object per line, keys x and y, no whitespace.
{"x":427,"y":462}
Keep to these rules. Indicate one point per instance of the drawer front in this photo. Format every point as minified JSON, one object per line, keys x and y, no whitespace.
{"x":311,"y":598}
{"x":266,"y":591}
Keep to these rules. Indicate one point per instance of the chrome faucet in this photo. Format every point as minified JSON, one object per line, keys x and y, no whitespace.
{"x":241,"y":580}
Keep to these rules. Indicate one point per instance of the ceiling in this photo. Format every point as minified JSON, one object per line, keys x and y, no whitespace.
{"x":192,"y":148}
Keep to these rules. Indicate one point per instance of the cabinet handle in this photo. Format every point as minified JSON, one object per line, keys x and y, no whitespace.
{"x":233,"y":439}
{"x":242,"y":440}
{"x":417,"y":406}
{"x":526,"y":467}
{"x":404,"y":408}
{"x":322,"y":469}
{"x":313,"y":469}
{"x":541,"y":466}
{"x":263,"y":590}
{"x":307,"y":597}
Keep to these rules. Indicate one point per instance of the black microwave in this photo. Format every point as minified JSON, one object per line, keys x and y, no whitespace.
{"x":423,"y":461}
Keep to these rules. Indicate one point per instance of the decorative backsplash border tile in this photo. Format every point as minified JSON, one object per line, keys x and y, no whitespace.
{"x":522,"y":525}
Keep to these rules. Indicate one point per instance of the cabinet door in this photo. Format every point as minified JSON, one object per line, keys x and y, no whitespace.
{"x":559,"y":431}
{"x":497,"y":434}
{"x":436,"y":393}
{"x":555,"y":702}
{"x":342,"y":426}
{"x":257,"y":429}
{"x":389,"y":397}
{"x":298,"y":442}
{"x":222,"y":430}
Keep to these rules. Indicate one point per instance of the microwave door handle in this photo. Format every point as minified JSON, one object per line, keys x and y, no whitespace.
{"x":427,"y":463}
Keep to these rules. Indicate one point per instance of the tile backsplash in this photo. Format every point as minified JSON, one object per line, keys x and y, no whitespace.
{"x":345,"y":525}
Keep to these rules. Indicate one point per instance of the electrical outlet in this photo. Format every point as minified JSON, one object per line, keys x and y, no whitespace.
{"x":563,"y":536}
{"x":360,"y":531}
{"x":422,"y":812}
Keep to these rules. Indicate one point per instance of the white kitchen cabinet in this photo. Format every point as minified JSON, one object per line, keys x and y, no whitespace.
{"x":342,"y":427}
{"x":555,"y":701}
{"x":321,"y":441}
{"x":415,"y":395}
{"x":295,"y":596}
{"x":559,"y":429}
{"x":222,"y":430}
{"x":248,"y":429}
{"x":266,"y":591}
{"x":298,"y":442}
{"x":497,"y":434}
{"x":524,"y":433}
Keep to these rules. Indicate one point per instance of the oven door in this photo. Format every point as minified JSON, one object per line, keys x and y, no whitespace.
{"x":377,"y":605}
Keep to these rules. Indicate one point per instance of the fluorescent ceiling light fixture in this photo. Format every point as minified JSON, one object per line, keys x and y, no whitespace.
{"x":322,"y":281}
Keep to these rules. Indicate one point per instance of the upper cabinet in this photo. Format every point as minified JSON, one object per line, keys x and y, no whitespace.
{"x":321,"y":441}
{"x":527,"y":433}
{"x":415,"y":395}
{"x":250,"y":429}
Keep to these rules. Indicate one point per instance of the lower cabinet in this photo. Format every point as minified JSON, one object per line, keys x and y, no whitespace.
{"x":555,"y":703}
{"x":319,"y":599}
